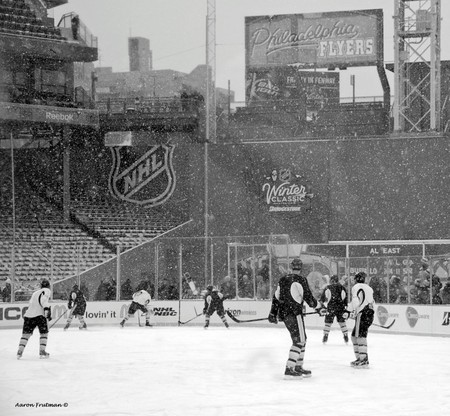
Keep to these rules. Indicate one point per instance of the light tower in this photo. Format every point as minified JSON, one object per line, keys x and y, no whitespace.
{"x":211,"y":71}
{"x":417,"y":66}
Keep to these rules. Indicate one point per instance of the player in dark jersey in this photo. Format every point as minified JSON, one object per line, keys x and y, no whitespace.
{"x":287,"y":306}
{"x":37,"y":314}
{"x":334,"y":298}
{"x":214,"y":303}
{"x":77,"y":307}
{"x":362,"y":310}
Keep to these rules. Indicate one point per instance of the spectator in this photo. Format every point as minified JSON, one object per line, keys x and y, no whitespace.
{"x":163,"y":291}
{"x":75,"y":26}
{"x":419,"y":293}
{"x":264,"y":272}
{"x":111,"y":290}
{"x":245,"y":287}
{"x":126,"y":291}
{"x":172,"y":292}
{"x":395,"y":289}
{"x":228,"y":287}
{"x":445,"y":293}
{"x":102,"y":291}
{"x":262,"y":288}
{"x":379,"y":287}
{"x":7,"y":291}
{"x":436,"y":286}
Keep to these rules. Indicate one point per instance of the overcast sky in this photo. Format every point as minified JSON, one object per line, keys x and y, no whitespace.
{"x":177,"y":33}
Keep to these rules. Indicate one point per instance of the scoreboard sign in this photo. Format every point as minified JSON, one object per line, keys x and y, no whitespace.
{"x":332,"y":39}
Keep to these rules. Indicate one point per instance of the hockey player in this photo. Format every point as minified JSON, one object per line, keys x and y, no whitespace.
{"x":37,"y":315}
{"x":77,"y":301}
{"x":141,"y":301}
{"x":214,"y":303}
{"x":334,"y":298}
{"x":362,"y":310}
{"x":287,"y":306}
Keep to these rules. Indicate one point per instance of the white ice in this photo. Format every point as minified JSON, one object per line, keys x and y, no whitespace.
{"x":187,"y":371}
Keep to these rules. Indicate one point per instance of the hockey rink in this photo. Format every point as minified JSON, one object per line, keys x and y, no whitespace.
{"x":189,"y":371}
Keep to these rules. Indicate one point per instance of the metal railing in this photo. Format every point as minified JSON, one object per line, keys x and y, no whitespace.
{"x":84,"y":33}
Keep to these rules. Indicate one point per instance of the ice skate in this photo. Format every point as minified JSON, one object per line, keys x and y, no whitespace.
{"x":346,"y":338}
{"x":19,"y":355}
{"x":44,"y":355}
{"x":148,"y":323}
{"x":122,"y":323}
{"x":302,"y":371}
{"x":205,"y":327}
{"x":66,"y":327}
{"x":325,"y":338}
{"x":291,"y":374}
{"x":362,"y":363}
{"x":84,"y":326}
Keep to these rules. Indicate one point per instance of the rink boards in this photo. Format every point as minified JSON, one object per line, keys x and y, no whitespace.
{"x":409,"y":319}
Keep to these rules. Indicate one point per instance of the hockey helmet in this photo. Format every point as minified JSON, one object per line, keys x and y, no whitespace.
{"x":334,"y":278}
{"x":209,"y":288}
{"x":45,"y":283}
{"x":360,"y":277}
{"x":296,"y":264}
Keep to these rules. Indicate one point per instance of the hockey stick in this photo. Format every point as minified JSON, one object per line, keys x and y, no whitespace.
{"x":257,"y":319}
{"x":54,"y":323}
{"x":196,"y":316}
{"x":384,"y":326}
{"x":381,"y":326}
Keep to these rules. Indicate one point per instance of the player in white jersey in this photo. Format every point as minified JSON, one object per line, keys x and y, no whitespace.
{"x":37,"y":314}
{"x":362,"y":310}
{"x":141,"y":300}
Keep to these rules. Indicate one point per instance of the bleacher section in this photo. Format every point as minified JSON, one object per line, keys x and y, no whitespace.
{"x":45,"y":244}
{"x":121,"y":224}
{"x":16,"y":18}
{"x":278,"y":121}
{"x":347,"y":120}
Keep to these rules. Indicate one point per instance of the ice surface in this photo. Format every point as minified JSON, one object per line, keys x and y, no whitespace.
{"x":184,"y":371}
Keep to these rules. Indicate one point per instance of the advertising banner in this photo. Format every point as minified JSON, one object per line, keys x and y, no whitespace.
{"x":321,"y":40}
{"x":289,"y":83}
{"x":47,"y":114}
{"x":406,"y":319}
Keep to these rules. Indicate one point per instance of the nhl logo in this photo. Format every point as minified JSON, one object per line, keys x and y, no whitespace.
{"x":146,"y":179}
{"x":382,"y":314}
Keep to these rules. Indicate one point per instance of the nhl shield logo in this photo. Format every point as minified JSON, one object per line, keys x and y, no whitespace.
{"x":146,"y":179}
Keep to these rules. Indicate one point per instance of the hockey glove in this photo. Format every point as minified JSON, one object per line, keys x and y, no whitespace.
{"x":322,"y":311}
{"x":272,"y":318}
{"x":353,"y":314}
{"x":48,"y":314}
{"x":346,"y":315}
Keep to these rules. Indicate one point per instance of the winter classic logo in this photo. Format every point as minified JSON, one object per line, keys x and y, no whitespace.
{"x":284,"y":191}
{"x":147,"y":179}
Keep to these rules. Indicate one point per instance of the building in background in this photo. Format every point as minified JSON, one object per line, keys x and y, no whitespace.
{"x":140,"y":54}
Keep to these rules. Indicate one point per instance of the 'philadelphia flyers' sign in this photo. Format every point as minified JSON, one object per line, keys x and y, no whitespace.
{"x":147,"y":179}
